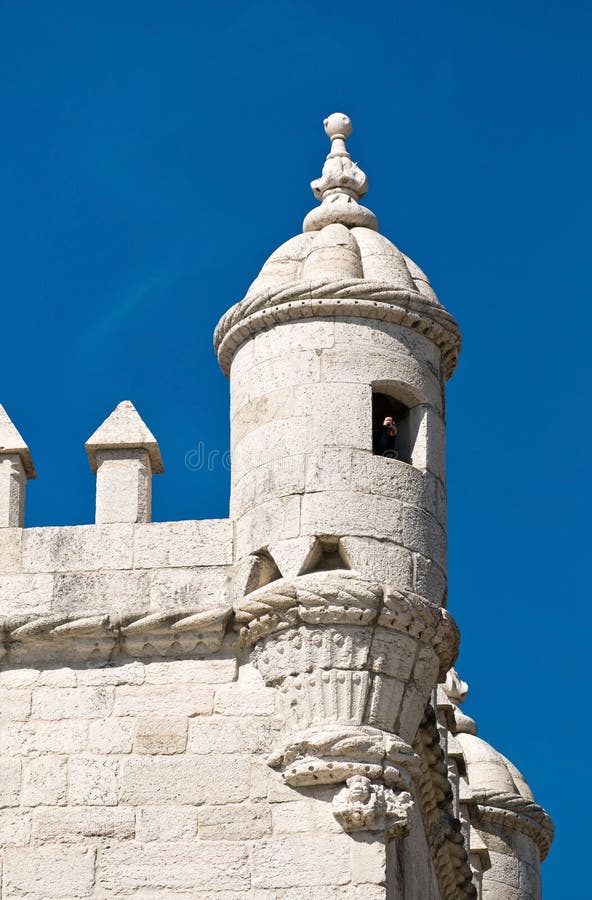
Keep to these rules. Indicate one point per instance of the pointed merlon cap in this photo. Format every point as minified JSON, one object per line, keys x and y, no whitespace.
{"x":12,"y":442}
{"x":124,"y":429}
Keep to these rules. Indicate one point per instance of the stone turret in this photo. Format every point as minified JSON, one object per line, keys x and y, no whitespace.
{"x":340,"y":521}
{"x":338,"y":330}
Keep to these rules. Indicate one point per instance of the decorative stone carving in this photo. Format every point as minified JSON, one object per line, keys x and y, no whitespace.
{"x":354,"y":664}
{"x":102,"y":638}
{"x":341,"y":184}
{"x":456,"y":690}
{"x":364,"y":806}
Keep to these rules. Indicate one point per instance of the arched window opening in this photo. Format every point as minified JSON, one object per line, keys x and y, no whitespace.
{"x":391,"y":428}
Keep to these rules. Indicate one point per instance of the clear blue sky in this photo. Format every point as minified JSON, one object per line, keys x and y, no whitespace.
{"x":153,"y":154}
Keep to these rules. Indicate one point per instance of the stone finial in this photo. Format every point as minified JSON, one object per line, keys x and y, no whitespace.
{"x":454,"y":691}
{"x":124,"y":455}
{"x":16,"y":466}
{"x":341,"y":184}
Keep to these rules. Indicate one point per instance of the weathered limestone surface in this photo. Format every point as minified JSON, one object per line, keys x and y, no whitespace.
{"x":262,"y":707}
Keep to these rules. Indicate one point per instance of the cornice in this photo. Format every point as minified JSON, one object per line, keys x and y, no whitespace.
{"x":356,"y":297}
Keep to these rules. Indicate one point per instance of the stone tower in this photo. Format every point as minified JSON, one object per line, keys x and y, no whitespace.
{"x":264,"y":707}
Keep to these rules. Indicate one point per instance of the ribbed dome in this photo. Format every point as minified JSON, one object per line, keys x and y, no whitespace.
{"x":339,"y":265}
{"x":489,"y":770}
{"x":337,"y":252}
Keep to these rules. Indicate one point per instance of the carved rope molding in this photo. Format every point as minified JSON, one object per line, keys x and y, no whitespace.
{"x":354,"y":663}
{"x":518,"y":813}
{"x":346,"y":297}
{"x":443,"y":830}
{"x":104,"y":635}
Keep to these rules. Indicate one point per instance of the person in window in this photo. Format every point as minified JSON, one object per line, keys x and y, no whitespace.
{"x":386,"y":441}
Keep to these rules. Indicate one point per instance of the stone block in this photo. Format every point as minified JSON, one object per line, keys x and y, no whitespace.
{"x":295,"y":861}
{"x":124,"y":486}
{"x":293,"y":817}
{"x":150,"y":700}
{"x":19,"y":677}
{"x":251,"y":700}
{"x":25,"y":594}
{"x":379,"y":560}
{"x":72,"y":703}
{"x":62,"y":676}
{"x":92,"y":781}
{"x":13,"y":482}
{"x":386,"y":337}
{"x":272,"y":442}
{"x":116,"y":592}
{"x":189,"y":588}
{"x":295,"y":367}
{"x":149,"y":780}
{"x":161,"y":736}
{"x":10,"y":782}
{"x":422,"y":533}
{"x":329,"y":469}
{"x":267,"y":408}
{"x":166,"y":823}
{"x":190,"y":543}
{"x":392,"y":478}
{"x":15,"y":828}
{"x":48,"y":872}
{"x":415,"y":382}
{"x":224,"y":734}
{"x":71,"y":826}
{"x":113,"y":735}
{"x":117,"y":673}
{"x":43,"y":737}
{"x":280,"y":478}
{"x":429,"y":579}
{"x":209,"y":866}
{"x":14,"y":704}
{"x":341,"y":416}
{"x":368,"y":859}
{"x":216,"y":668}
{"x":292,"y":337}
{"x":78,"y":548}
{"x":234,"y":822}
{"x":10,"y":550}
{"x":344,"y":513}
{"x":44,"y":781}
{"x":277,"y":517}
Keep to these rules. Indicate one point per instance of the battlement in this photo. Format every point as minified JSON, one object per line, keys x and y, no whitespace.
{"x":124,"y":565}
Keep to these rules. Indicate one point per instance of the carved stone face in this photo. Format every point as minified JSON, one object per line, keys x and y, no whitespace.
{"x":360,"y":791}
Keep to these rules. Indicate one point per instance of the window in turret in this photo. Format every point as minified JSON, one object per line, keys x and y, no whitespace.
{"x":392,"y":428}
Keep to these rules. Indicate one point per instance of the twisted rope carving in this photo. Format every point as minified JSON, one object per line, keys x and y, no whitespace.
{"x":375,"y":299}
{"x":442,"y":828}
{"x":519,"y":813}
{"x":345,"y":601}
{"x":105,"y":625}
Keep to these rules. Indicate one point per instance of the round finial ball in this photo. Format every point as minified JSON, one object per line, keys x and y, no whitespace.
{"x":338,"y":125}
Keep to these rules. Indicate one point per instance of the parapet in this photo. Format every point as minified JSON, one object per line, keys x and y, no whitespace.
{"x":98,"y":580}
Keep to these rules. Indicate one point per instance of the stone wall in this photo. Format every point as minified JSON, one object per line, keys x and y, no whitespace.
{"x":148,"y":779}
{"x":302,"y":462}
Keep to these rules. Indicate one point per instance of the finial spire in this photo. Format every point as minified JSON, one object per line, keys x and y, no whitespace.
{"x":341,"y":184}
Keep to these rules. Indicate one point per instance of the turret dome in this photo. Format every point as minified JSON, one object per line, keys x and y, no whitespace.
{"x":339,"y":265}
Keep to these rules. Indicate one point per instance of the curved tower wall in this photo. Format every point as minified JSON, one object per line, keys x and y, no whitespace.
{"x":301,"y":443}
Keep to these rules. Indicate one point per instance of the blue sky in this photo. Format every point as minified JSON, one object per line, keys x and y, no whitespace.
{"x":154,"y":154}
